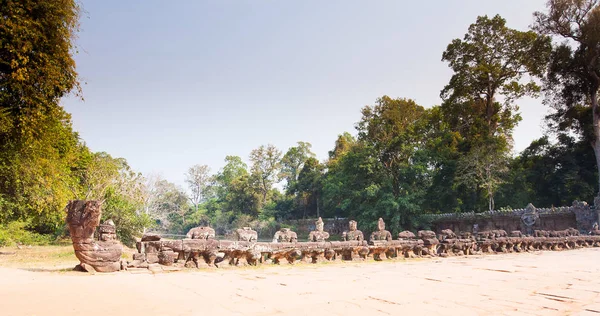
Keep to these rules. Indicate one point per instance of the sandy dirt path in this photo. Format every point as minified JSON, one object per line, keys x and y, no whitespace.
{"x":541,"y":283}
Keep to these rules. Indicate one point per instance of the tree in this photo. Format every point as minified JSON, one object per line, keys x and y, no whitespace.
{"x":292,"y":163}
{"x":234,"y":168}
{"x":123,"y":202}
{"x":551,"y":174}
{"x":385,"y":172}
{"x":493,"y":67}
{"x":38,"y":148}
{"x":171,"y":205}
{"x":343,"y":144}
{"x":393,"y":129}
{"x":266,"y":164}
{"x":573,"y":76}
{"x":198,"y":179}
{"x":489,"y":64}
{"x":484,"y":167}
{"x":310,"y":183}
{"x":101,"y":172}
{"x":244,"y":197}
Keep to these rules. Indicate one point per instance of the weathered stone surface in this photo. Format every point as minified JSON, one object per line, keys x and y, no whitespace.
{"x":516,"y":233}
{"x":166,"y":258}
{"x":381,"y":233}
{"x":150,"y":237}
{"x":103,"y":255}
{"x":319,"y":234}
{"x":353,"y":233}
{"x":447,"y":234}
{"x":201,"y":232}
{"x":152,"y":257}
{"x":285,"y":235}
{"x":406,"y":235}
{"x":246,"y":234}
{"x":426,"y":234}
{"x":174,"y":245}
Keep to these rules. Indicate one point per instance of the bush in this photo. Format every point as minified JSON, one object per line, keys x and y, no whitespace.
{"x":16,"y":232}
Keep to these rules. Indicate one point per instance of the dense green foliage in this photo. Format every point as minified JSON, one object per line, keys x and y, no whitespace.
{"x":43,"y":163}
{"x":405,"y":159}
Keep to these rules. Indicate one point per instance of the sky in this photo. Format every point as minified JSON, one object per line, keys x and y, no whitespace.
{"x":170,"y":84}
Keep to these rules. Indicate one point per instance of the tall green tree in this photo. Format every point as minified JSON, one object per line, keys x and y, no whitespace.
{"x":198,"y":179}
{"x":573,"y":76}
{"x":490,"y":65}
{"x":551,"y":174}
{"x":385,"y":172}
{"x":38,"y":148}
{"x":493,"y":67}
{"x":343,"y":144}
{"x":310,"y":186}
{"x":393,"y":129}
{"x":483,"y":168}
{"x":266,"y":165}
{"x":293,"y":162}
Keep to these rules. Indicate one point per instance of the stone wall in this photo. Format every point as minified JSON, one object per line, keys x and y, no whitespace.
{"x":508,"y":223}
{"x":580,"y":216}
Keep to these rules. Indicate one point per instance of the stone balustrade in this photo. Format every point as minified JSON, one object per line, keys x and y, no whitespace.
{"x":195,"y":253}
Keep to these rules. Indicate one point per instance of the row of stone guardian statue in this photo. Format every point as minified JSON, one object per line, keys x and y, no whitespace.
{"x":100,"y":251}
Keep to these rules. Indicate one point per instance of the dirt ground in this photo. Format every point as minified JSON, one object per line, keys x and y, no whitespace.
{"x":541,"y":283}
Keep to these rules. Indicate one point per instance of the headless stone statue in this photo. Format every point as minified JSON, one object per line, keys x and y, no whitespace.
{"x":285,"y":235}
{"x":381,"y":233}
{"x":246,"y":234}
{"x":201,"y":232}
{"x":353,"y":233}
{"x":319,"y":234}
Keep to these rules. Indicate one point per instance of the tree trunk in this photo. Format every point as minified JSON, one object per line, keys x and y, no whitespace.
{"x":318,"y":213}
{"x":596,"y":142}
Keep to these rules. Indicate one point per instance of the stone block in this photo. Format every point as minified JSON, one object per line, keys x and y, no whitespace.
{"x":152,"y":257}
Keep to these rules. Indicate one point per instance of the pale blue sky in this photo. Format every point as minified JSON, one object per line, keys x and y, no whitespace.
{"x":170,"y":84}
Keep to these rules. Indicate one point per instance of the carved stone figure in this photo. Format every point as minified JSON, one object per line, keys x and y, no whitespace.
{"x":595,"y":231}
{"x":319,"y":234}
{"x":246,"y":234}
{"x":381,"y":233}
{"x":447,"y":234}
{"x":285,"y":235}
{"x":353,"y":233}
{"x":103,"y":255}
{"x":406,"y":235}
{"x":150,"y":237}
{"x":201,"y":232}
{"x":529,"y":218}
